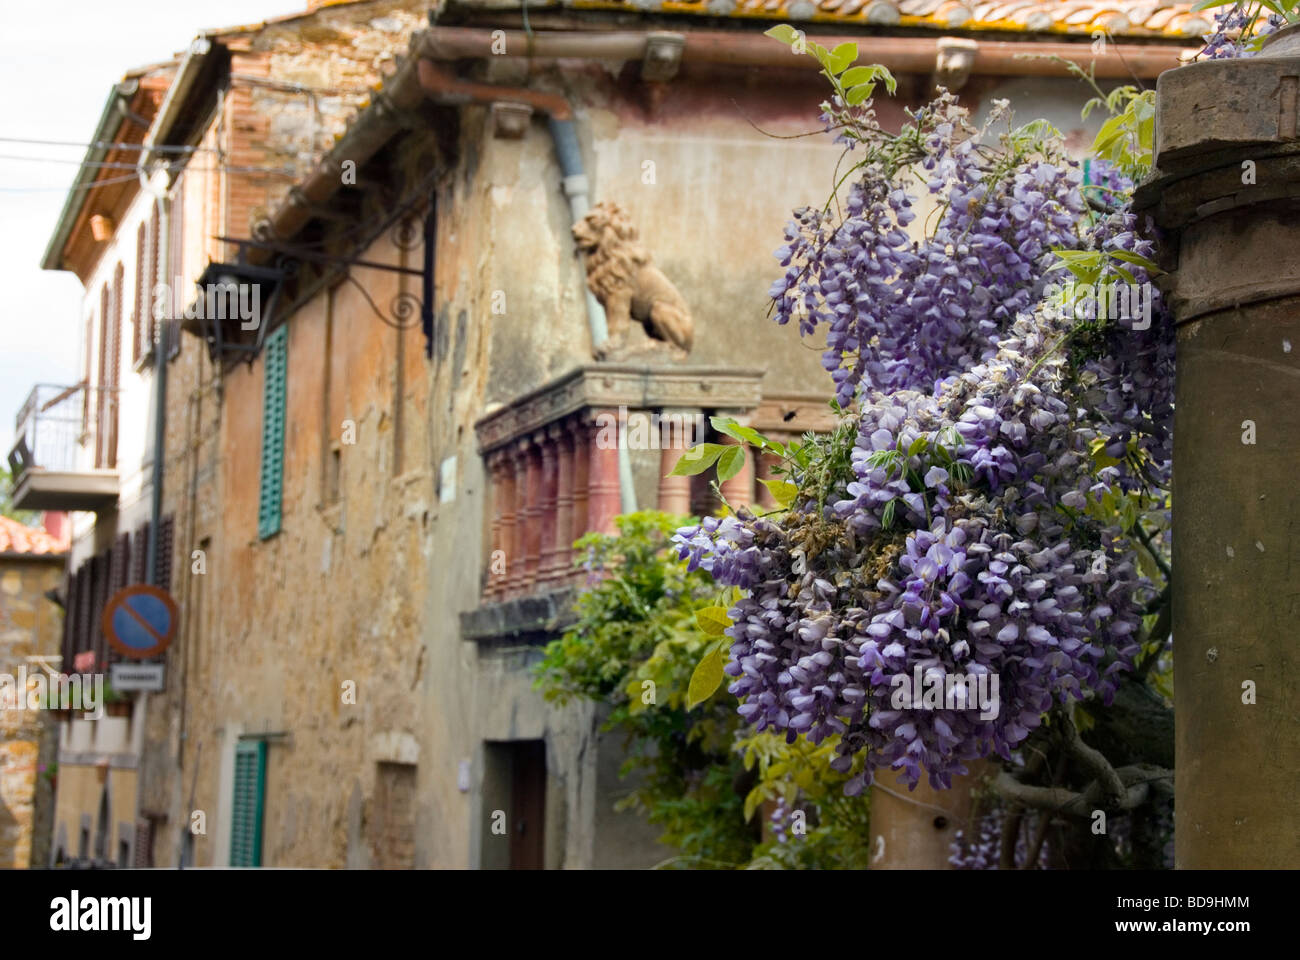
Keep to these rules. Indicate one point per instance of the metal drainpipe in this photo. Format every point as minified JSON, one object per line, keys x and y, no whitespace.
{"x":159,"y":401}
{"x":575,"y":188}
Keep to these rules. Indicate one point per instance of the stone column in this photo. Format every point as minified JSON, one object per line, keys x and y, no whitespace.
{"x":1227,"y":197}
{"x":604,"y":496}
{"x":674,"y":440}
{"x":547,"y":521}
{"x":914,"y":830}
{"x":564,"y":537}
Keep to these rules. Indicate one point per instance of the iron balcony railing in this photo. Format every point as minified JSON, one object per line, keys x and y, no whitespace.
{"x":57,"y":422}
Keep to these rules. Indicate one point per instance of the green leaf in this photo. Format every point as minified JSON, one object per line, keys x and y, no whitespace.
{"x":887,"y":517}
{"x":731,"y":428}
{"x":891,"y":84}
{"x":1207,"y":4}
{"x":712,"y":621}
{"x":782,"y":492}
{"x":917,"y":446}
{"x":755,"y":800}
{"x":731,"y":463}
{"x":856,"y":75}
{"x":706,"y":679}
{"x":859,"y":94}
{"x":698,"y":459}
{"x":783,"y":32}
{"x":1128,"y":514}
{"x":1149,"y":265}
{"x":842,"y":56}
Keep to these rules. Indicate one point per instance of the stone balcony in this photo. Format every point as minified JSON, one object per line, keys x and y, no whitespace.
{"x":556,"y":470}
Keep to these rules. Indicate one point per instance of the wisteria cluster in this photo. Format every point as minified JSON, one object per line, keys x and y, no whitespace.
{"x":1126,"y":375}
{"x":963,"y":546}
{"x":900,"y":314}
{"x":968,"y":577}
{"x":1225,"y":43}
{"x":982,"y":848}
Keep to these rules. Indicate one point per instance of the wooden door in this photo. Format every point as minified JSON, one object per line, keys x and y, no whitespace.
{"x":528,"y":805}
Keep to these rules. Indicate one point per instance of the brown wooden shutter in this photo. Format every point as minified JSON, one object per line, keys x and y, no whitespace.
{"x":143,"y":843}
{"x":119,"y":564}
{"x":100,"y":567}
{"x":139,"y":314}
{"x":85,"y":607}
{"x":90,"y":354}
{"x":68,"y":647}
{"x":155,"y":219}
{"x":140,"y":554}
{"x":105,"y":315}
{"x":115,"y":363}
{"x":165,"y":551}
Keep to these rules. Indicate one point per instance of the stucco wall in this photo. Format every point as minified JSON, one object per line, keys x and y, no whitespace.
{"x":30,"y":625}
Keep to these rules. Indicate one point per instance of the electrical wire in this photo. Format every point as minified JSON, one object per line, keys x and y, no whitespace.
{"x":105,"y":145}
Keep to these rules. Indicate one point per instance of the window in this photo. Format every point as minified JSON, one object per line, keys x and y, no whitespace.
{"x":275,"y":367}
{"x":246,"y":812}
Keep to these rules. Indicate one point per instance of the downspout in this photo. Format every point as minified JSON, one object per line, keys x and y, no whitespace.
{"x":575,"y":188}
{"x":443,"y":86}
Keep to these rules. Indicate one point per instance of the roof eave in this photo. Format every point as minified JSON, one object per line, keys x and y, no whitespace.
{"x":115,"y":111}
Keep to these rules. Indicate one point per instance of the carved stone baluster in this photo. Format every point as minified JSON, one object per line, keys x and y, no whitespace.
{"x":503,"y":506}
{"x":547,"y":519}
{"x":604,"y":502}
{"x":764,"y":462}
{"x":676,"y":435}
{"x":564,"y":537}
{"x":739,"y":490}
{"x":579,"y":433}
{"x":515,"y":560}
{"x":533,"y":521}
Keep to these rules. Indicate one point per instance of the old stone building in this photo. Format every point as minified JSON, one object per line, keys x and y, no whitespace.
{"x":370,"y":481}
{"x":31,"y":626}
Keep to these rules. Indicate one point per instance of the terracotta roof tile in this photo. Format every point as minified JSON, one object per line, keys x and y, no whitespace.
{"x":16,"y":538}
{"x":1145,"y":18}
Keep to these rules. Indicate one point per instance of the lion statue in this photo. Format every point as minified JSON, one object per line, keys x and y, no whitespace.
{"x":627,"y":285}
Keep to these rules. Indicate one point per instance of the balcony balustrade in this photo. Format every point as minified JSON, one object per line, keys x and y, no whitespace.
{"x":64,"y":456}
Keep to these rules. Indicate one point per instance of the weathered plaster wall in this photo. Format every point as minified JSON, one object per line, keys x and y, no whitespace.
{"x":30,"y":625}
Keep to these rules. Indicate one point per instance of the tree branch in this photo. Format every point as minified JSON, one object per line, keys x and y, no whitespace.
{"x":1093,"y":762}
{"x":1137,"y":780}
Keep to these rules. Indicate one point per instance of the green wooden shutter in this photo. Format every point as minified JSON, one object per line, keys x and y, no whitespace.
{"x":246,"y":812}
{"x":275,"y":356}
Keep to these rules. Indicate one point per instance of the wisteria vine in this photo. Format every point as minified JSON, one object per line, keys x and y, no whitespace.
{"x":960,"y":535}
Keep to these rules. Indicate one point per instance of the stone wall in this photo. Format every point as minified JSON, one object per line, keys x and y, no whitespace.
{"x":30,"y":626}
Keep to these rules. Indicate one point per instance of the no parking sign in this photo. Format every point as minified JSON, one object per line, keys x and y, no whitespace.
{"x":139,"y":621}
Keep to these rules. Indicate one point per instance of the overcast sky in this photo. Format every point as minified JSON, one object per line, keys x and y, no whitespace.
{"x":58,"y":61}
